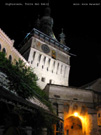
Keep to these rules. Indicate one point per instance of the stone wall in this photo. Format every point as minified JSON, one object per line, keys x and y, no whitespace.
{"x":69,"y":103}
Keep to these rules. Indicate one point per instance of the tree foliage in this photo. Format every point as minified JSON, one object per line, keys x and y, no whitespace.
{"x":23,"y":80}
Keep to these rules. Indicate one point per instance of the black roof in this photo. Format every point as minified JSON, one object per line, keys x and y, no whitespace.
{"x":8,"y":96}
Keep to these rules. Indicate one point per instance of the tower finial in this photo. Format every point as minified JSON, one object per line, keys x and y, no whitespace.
{"x":62,"y":37}
{"x":48,"y":2}
{"x":47,"y":11}
{"x":37,"y":23}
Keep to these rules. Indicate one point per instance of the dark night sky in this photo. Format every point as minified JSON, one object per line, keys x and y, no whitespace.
{"x":82,"y":26}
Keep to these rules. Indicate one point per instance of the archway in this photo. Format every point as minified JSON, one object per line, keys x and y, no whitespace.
{"x":73,"y":126}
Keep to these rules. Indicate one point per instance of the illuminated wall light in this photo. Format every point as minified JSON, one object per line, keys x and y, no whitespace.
{"x":75,"y":114}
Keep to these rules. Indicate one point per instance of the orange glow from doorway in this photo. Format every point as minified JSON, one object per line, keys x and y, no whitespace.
{"x":76,"y":114}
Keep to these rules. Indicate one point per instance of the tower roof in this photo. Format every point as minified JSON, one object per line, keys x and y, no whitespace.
{"x":47,"y":11}
{"x":45,"y":24}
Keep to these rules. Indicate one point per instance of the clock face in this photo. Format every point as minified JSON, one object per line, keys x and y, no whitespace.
{"x":45,"y":48}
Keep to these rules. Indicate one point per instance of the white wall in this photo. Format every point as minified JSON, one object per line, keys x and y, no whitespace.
{"x":48,"y":68}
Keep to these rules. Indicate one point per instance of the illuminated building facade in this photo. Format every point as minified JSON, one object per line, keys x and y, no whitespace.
{"x":6,"y":46}
{"x":49,"y":57}
{"x":80,"y":108}
{"x":49,"y":60}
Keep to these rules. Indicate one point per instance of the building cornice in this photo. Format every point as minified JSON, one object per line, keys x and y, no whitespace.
{"x":6,"y":38}
{"x":45,"y":38}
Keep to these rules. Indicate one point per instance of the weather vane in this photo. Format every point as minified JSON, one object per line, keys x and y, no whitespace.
{"x":48,"y":2}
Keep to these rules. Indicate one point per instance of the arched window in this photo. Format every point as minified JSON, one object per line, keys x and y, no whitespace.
{"x":4,"y":50}
{"x":16,"y":63}
{"x":10,"y":58}
{"x":0,"y":47}
{"x":83,"y":110}
{"x":75,"y":108}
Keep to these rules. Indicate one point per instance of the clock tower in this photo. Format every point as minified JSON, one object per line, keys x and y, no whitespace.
{"x":48,"y":57}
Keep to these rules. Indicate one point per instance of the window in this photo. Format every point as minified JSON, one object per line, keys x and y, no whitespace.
{"x":44,"y":59}
{"x":53,"y":65}
{"x":55,"y":104}
{"x":40,"y":57}
{"x":34,"y":55}
{"x":37,"y":64}
{"x":57,"y":96}
{"x":75,"y":108}
{"x":4,"y":50}
{"x":99,"y":118}
{"x":57,"y":68}
{"x":0,"y":47}
{"x":16,"y":63}
{"x":32,"y":62}
{"x":47,"y":68}
{"x":50,"y":81}
{"x":75,"y":99}
{"x":10,"y":58}
{"x":83,"y":110}
{"x":49,"y":62}
{"x":43,"y":79}
{"x":42,"y":66}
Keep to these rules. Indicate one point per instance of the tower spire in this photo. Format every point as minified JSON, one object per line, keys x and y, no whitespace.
{"x":37,"y":23}
{"x":62,"y":37}
{"x":48,"y":2}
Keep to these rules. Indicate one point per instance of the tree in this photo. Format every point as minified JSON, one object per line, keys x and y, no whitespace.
{"x":23,"y":80}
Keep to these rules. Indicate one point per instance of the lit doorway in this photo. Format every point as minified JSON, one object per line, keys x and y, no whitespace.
{"x":73,"y":126}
